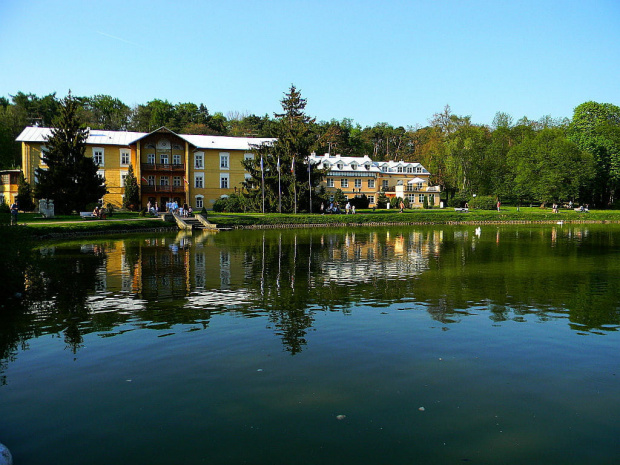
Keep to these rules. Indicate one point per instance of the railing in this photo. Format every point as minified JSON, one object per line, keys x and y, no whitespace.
{"x":161,"y":167}
{"x":150,"y":188}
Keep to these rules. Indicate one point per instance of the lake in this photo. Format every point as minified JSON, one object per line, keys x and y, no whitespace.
{"x":397,"y":345}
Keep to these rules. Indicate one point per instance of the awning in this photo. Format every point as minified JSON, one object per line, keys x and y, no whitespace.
{"x":415,"y":181}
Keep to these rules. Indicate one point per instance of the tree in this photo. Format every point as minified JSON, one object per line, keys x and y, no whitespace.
{"x":285,"y":162}
{"x":595,"y":128}
{"x":71,"y":178}
{"x":24,"y":194}
{"x":132,"y":194}
{"x":106,"y":112}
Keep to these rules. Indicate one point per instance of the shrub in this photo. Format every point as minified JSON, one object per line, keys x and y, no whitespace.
{"x":360,"y":202}
{"x":4,"y":208}
{"x":483,"y":203}
{"x":459,"y":200}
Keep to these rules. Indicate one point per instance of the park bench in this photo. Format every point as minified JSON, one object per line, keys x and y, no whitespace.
{"x":462,"y":210}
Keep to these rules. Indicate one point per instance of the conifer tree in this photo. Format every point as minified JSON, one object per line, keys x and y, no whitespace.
{"x":71,"y":178}
{"x":24,"y":194}
{"x":132,"y":194}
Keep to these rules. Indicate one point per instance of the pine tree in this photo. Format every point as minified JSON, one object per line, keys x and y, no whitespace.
{"x":292,"y":148}
{"x":71,"y":178}
{"x":24,"y":194}
{"x":132,"y":194}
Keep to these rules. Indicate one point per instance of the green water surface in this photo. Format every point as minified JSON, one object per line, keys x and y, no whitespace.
{"x":398,"y":345}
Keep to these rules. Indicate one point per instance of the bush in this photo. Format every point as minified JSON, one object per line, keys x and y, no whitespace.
{"x":459,"y":200}
{"x":142,"y":212}
{"x":360,"y":202}
{"x":234,"y":203}
{"x":483,"y":203}
{"x":4,"y":208}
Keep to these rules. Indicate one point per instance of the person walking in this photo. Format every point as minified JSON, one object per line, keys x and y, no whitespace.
{"x":14,"y":211}
{"x":499,"y":204}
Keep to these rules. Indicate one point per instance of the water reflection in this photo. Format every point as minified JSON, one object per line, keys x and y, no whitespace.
{"x":113,"y":286}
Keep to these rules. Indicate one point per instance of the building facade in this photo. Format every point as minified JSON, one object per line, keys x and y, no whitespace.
{"x":9,"y":180}
{"x":191,"y":169}
{"x":357,"y":176}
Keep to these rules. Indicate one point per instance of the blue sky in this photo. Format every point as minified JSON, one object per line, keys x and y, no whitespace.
{"x":392,"y":61}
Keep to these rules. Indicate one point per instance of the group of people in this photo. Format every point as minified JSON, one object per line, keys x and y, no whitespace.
{"x":335,"y":208}
{"x":99,"y":212}
{"x":171,"y":207}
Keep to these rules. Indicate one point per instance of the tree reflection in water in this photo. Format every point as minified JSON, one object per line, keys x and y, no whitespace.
{"x":163,"y":282}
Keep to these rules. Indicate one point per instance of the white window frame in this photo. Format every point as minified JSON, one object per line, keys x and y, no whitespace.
{"x":410,"y":169}
{"x":176,"y":159}
{"x":199,"y":181}
{"x":421,"y":198}
{"x":248,"y":156}
{"x":99,"y":151}
{"x":224,"y":160}
{"x":371,"y":183}
{"x":176,"y":181}
{"x":330,"y":182}
{"x":101,"y":173}
{"x":371,"y":199}
{"x":150,"y":158}
{"x":344,"y":183}
{"x":125,"y":153}
{"x":199,"y":201}
{"x":385,"y":184}
{"x":150,"y":180}
{"x":162,"y":157}
{"x":224,"y":181}
{"x":164,"y":180}
{"x":124,"y":175}
{"x":199,"y":160}
{"x":358,"y":183}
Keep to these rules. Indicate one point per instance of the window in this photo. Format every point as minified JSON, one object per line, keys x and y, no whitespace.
{"x":371,"y":183}
{"x":101,"y":173}
{"x":410,"y":169}
{"x":98,"y":156}
{"x":176,"y":159}
{"x":150,"y":158}
{"x":421,"y":198}
{"x":367,"y":165}
{"x":344,"y":183}
{"x":431,"y":199}
{"x":199,"y":160}
{"x":164,"y":181}
{"x":150,"y":180}
{"x":125,"y":157}
{"x":411,"y":198}
{"x":418,"y":169}
{"x":163,"y":158}
{"x":384,"y":184}
{"x":199,"y":201}
{"x":400,"y":169}
{"x":330,"y":182}
{"x":224,"y":160}
{"x":326,"y":165}
{"x":353,"y":166}
{"x":371,"y":199}
{"x":248,"y":156}
{"x":358,"y":183}
{"x":176,"y":181}
{"x":123,"y":177}
{"x":384,"y":168}
{"x":340,"y":166}
{"x":223,"y":180}
{"x":199,"y":181}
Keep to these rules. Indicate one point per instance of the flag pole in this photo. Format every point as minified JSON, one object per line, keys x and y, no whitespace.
{"x":310,"y":183}
{"x":279,"y":188}
{"x":262,"y":176}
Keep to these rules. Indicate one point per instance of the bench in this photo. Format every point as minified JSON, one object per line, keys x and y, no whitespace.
{"x":462,"y":210}
{"x":87,"y":215}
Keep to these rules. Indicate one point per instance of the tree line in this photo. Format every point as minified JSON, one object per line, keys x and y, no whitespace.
{"x":545,"y":160}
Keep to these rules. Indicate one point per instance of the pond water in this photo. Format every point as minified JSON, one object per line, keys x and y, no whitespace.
{"x":399,"y":345}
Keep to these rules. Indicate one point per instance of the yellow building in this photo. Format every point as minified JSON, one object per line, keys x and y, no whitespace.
{"x":8,"y":186}
{"x":357,"y":176}
{"x":184,"y":168}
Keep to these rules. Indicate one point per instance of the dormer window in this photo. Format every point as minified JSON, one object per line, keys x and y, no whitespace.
{"x":400,"y":169}
{"x":340,"y":166}
{"x":384,"y":168}
{"x":410,"y":169}
{"x":326,"y":166}
{"x":367,"y":166}
{"x":353,"y":166}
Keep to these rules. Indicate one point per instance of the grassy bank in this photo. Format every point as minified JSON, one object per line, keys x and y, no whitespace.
{"x":32,"y":224}
{"x":435,"y":216}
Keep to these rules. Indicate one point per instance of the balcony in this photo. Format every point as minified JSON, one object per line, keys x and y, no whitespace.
{"x":152,"y":189}
{"x":167,"y":167}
